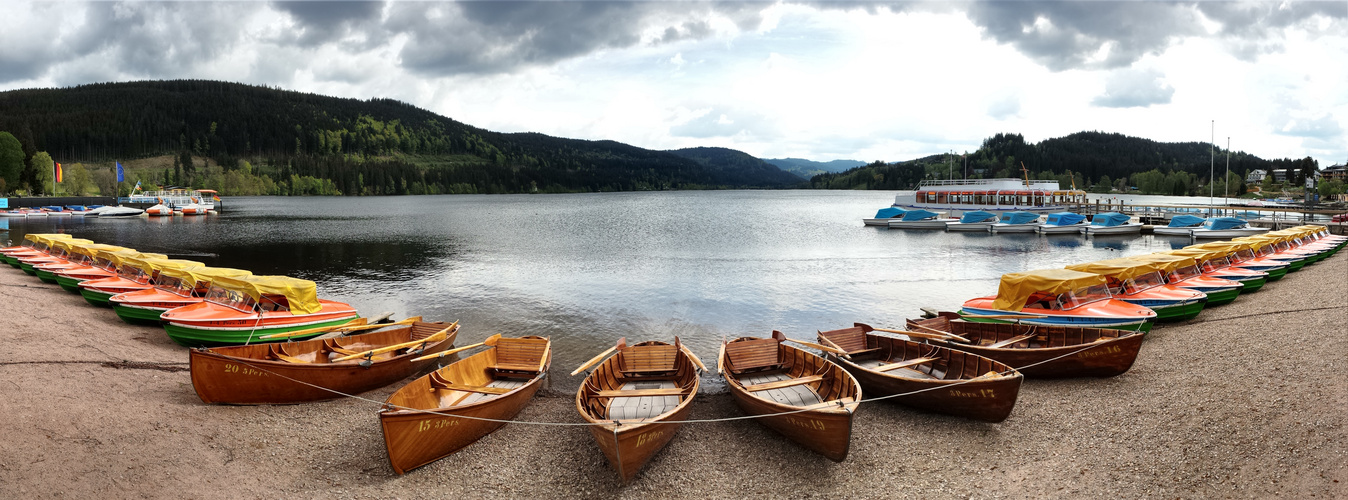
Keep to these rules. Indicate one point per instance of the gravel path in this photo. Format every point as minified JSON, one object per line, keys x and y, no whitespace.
{"x":1247,"y":401}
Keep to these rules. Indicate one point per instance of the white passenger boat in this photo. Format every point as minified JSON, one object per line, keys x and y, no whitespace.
{"x":989,"y":195}
{"x":920,"y":219}
{"x":976,"y":220}
{"x":1112,"y":223}
{"x":175,"y":198}
{"x":1226,"y":227}
{"x":1062,"y":223}
{"x":1017,"y":222}
{"x":1180,"y":225}
{"x":117,"y":211}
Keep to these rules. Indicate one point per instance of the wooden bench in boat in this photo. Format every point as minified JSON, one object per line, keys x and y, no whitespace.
{"x":649,"y":359}
{"x":637,"y":401}
{"x":783,"y":383}
{"x":761,"y":354}
{"x":851,"y":341}
{"x":636,"y":393}
{"x":519,"y":357}
{"x":1010,"y":341}
{"x":903,"y":364}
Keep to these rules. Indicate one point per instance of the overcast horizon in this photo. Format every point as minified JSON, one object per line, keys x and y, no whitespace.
{"x":886,"y":81}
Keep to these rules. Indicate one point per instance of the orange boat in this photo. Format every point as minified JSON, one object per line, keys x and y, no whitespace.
{"x":637,"y":399}
{"x":104,"y":265}
{"x":313,"y":370}
{"x":245,"y":309}
{"x":1058,"y":297}
{"x":1213,"y":262}
{"x":425,"y":420}
{"x":80,"y":256}
{"x":58,"y":253}
{"x":1140,"y":282}
{"x":1184,"y":272}
{"x":33,"y":244}
{"x":135,"y":273}
{"x":173,"y":288}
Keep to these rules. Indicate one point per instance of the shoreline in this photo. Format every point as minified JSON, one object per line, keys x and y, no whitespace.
{"x":1244,"y":401}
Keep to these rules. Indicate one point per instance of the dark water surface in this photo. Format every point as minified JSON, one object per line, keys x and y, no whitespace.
{"x":586,"y":269}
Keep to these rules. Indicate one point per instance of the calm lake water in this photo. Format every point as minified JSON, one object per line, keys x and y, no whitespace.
{"x":586,"y":269}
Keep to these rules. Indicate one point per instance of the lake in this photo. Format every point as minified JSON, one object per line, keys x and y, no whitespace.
{"x":586,"y":269}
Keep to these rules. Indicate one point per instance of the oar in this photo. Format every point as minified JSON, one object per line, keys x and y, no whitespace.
{"x":490,"y":341}
{"x":1003,"y":316}
{"x":435,"y":337}
{"x":821,"y":347}
{"x":693,"y":357}
{"x":941,"y":336}
{"x":348,"y":327}
{"x":594,"y":360}
{"x":835,"y":346}
{"x":321,"y":329}
{"x":720,"y":359}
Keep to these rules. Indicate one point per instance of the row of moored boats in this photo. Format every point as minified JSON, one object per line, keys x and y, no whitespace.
{"x":1019,"y":221}
{"x":270,"y":340}
{"x":72,"y":211}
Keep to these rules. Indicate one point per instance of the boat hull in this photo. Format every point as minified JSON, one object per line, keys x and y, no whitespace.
{"x":137,"y":315}
{"x":1069,"y":352}
{"x":194,"y":336}
{"x":920,"y":224}
{"x":241,"y":375}
{"x":988,"y":400}
{"x":1083,"y":319}
{"x":1052,"y":229}
{"x":211,"y":324}
{"x":826,"y":428}
{"x":1173,"y":231}
{"x":968,"y":226}
{"x":1015,"y":228}
{"x":1130,"y":228}
{"x":1224,"y":234}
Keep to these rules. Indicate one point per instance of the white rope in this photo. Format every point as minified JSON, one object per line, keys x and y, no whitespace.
{"x":690,"y":421}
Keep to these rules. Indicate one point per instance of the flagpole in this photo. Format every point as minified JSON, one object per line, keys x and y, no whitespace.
{"x":1228,"y":171}
{"x":1212,"y":162}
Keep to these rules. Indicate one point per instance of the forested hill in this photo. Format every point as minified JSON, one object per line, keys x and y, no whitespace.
{"x":739,"y":165}
{"x":809,"y":168}
{"x":346,"y":146}
{"x":1096,"y":160}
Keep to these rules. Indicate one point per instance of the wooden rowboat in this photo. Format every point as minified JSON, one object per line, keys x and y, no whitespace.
{"x":305,"y":371}
{"x":951,"y":382}
{"x":1109,"y":352}
{"x":493,"y":384}
{"x":632,"y":398}
{"x":769,"y":377}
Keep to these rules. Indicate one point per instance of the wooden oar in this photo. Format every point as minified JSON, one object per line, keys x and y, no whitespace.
{"x":345,"y":328}
{"x":594,"y":360}
{"x":321,"y":329}
{"x":940,"y":335}
{"x":435,"y":337}
{"x":693,"y":357}
{"x":1003,"y":316}
{"x":720,"y":359}
{"x":490,"y":341}
{"x":821,"y":347}
{"x":842,"y":352}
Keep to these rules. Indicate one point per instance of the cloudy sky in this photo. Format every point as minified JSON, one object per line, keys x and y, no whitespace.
{"x":819,"y":80}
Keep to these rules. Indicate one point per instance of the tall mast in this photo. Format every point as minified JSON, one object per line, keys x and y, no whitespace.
{"x":1212,"y":162}
{"x":1227,"y":178}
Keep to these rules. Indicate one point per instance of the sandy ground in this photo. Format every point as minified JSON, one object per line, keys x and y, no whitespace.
{"x":1247,"y":401}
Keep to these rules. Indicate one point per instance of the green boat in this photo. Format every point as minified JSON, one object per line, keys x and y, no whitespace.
{"x":245,"y":309}
{"x":174,"y":287}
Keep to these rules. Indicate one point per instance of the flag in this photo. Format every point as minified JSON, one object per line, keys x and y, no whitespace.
{"x":58,"y":172}
{"x":215,"y":197}
{"x":120,"y":176}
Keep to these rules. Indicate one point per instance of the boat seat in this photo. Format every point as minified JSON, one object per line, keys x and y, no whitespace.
{"x":903,"y":364}
{"x":783,"y":383}
{"x":519,"y":358}
{"x":1012,"y":341}
{"x":850,"y":340}
{"x":278,"y":351}
{"x":761,"y":354}
{"x":648,"y":359}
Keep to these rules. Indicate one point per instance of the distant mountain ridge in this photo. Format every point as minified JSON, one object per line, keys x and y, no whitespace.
{"x":339,"y":145}
{"x":809,"y":168}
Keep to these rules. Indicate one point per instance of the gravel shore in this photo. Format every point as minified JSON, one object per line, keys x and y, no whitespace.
{"x":1246,"y":401}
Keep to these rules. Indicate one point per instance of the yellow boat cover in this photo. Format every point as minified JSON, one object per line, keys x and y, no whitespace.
{"x":301,"y":294}
{"x":1121,"y":269}
{"x":1255,"y":243}
{"x":71,"y":244}
{"x":198,"y":275}
{"x":1168,"y":262}
{"x":47,"y":237}
{"x":92,"y":250}
{"x":118,"y":257}
{"x":1200,"y":254}
{"x":1016,"y":288}
{"x":153,"y":265}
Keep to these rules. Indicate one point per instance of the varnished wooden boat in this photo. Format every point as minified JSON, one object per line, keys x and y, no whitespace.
{"x":636,"y":399}
{"x":305,"y":371}
{"x":951,"y":382}
{"x":493,"y":384}
{"x":1109,"y":352}
{"x":769,"y":377}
